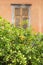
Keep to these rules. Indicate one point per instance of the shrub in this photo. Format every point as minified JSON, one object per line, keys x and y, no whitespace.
{"x":19,"y":46}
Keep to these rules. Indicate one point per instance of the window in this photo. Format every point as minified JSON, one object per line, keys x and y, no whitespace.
{"x":21,"y":15}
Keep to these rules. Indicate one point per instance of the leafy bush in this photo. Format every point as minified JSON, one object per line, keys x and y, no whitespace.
{"x":19,"y":46}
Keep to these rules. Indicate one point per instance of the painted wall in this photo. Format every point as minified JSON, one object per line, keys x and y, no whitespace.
{"x":36,"y":12}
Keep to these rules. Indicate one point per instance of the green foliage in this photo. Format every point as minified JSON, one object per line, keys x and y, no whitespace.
{"x":19,"y":46}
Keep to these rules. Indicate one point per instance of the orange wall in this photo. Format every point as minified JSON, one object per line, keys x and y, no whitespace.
{"x":36,"y":12}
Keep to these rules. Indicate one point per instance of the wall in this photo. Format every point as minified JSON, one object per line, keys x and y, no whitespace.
{"x":36,"y":12}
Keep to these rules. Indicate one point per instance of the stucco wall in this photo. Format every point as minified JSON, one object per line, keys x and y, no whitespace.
{"x":36,"y":12}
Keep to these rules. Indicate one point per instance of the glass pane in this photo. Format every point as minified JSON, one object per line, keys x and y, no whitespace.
{"x":17,"y":11}
{"x":17,"y":22}
{"x":24,"y":22}
{"x":25,"y":12}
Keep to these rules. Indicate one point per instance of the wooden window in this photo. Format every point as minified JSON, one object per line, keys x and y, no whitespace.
{"x":21,"y":17}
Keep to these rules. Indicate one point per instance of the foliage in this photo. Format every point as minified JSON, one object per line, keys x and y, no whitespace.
{"x":19,"y":46}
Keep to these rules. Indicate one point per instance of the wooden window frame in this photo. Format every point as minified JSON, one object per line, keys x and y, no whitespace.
{"x":20,"y":6}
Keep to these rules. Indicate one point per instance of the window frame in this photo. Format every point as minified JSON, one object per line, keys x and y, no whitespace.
{"x":20,"y":6}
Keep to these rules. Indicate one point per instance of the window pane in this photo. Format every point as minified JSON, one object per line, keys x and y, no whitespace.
{"x":17,"y":22}
{"x":24,"y":22}
{"x":17,"y":11}
{"x":24,"y":11}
